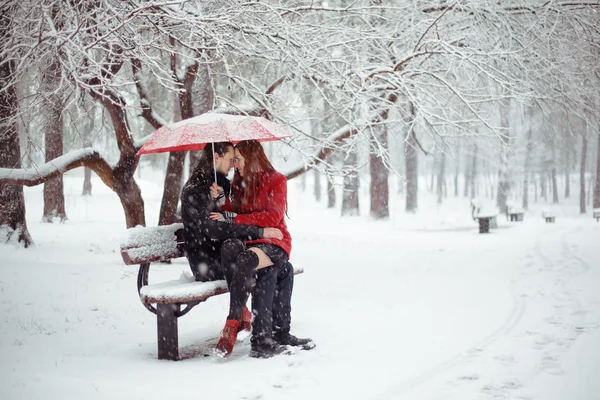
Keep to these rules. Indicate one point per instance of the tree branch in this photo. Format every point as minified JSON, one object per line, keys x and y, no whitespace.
{"x":86,"y":157}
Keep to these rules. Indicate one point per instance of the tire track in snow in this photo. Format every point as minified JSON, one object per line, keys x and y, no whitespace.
{"x":519,"y":306}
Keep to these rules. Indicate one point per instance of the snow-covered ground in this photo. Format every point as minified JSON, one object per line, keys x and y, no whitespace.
{"x":417,"y":307}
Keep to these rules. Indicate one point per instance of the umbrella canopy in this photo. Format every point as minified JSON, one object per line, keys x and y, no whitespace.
{"x":194,"y":133}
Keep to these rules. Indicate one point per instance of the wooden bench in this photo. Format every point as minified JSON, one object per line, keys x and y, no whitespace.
{"x":172,"y":299}
{"x":515,"y":214}
{"x":549,"y":217}
{"x":596,"y":214}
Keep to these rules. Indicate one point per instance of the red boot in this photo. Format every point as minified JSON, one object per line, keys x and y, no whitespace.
{"x":228,"y":337}
{"x":245,"y":327}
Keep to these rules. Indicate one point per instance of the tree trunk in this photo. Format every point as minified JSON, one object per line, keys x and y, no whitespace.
{"x":503,"y":173}
{"x":554,"y":187}
{"x":473,"y":175}
{"x":87,"y":173}
{"x":330,"y":193}
{"x":432,"y":180}
{"x":568,"y":172}
{"x":52,"y":107}
{"x":456,"y":173}
{"x":351,"y":185}
{"x":529,"y":149}
{"x":543,"y":193}
{"x":535,"y":188}
{"x":379,"y":178}
{"x":174,"y":174}
{"x":467,"y":177}
{"x":87,"y":182}
{"x":582,"y":209}
{"x":204,"y":96}
{"x":13,"y":227}
{"x":412,"y":174}
{"x":317,"y":187}
{"x":597,"y":183}
{"x":441,"y":178}
{"x":131,"y":197}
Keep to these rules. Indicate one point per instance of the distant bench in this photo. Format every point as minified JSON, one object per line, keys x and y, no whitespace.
{"x":515,"y":214}
{"x":145,"y":245}
{"x":486,"y":219}
{"x":596,"y":214}
{"x":548,"y":216}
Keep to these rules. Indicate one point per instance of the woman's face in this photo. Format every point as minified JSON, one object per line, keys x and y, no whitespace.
{"x":238,"y":162}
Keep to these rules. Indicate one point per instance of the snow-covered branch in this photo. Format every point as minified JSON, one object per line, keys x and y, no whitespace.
{"x":87,"y":157}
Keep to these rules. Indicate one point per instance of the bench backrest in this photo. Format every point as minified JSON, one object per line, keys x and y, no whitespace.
{"x":149,"y":244}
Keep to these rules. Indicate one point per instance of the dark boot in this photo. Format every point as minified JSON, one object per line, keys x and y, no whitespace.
{"x":262,"y":303}
{"x":266,"y":348}
{"x":287,"y":339}
{"x":282,"y":299}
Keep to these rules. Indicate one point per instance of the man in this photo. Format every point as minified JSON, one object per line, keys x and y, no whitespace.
{"x":203,"y":236}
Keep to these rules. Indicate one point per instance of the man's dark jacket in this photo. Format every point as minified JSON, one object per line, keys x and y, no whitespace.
{"x":203,"y":236}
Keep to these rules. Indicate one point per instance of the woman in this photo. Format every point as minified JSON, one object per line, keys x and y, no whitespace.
{"x":203,"y":236}
{"x":259,"y":197}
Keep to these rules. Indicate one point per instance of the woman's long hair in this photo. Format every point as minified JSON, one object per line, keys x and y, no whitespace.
{"x":244,"y":188}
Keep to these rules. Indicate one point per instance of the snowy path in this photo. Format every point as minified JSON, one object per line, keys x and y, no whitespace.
{"x":400,"y":309}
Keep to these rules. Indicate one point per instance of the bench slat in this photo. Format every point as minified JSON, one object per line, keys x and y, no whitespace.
{"x":185,"y":290}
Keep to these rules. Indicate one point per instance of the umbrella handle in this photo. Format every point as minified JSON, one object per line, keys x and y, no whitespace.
{"x":214,"y":161}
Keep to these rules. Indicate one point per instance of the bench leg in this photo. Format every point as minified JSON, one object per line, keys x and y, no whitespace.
{"x":166,"y":321}
{"x":484,"y":225}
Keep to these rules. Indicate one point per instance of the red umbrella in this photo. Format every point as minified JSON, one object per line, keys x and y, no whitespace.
{"x":194,"y":133}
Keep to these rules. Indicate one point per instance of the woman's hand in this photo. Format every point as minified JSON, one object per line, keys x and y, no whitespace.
{"x":272,"y":233}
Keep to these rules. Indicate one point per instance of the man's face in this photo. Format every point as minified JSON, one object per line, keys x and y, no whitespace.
{"x":225,"y":163}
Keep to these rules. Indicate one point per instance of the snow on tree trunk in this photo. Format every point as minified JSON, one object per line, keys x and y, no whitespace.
{"x":582,"y":209}
{"x":379,"y":177}
{"x":13,"y":227}
{"x":351,"y":185}
{"x":52,"y":108}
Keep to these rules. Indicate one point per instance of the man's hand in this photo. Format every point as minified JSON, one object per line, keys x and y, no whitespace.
{"x":216,"y":191}
{"x":272,"y":233}
{"x":225,"y":216}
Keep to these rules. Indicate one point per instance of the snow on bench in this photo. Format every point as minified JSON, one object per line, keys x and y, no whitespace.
{"x":185,"y":290}
{"x":143,"y":244}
